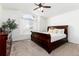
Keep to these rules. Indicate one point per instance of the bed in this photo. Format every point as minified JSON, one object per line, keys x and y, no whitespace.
{"x":43,"y":39}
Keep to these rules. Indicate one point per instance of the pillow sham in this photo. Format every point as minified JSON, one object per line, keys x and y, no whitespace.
{"x":55,"y":30}
{"x":50,"y":30}
{"x":61,"y":31}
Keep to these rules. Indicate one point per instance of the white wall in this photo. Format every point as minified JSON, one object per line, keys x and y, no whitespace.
{"x":1,"y":15}
{"x":71,"y":19}
{"x":43,"y":24}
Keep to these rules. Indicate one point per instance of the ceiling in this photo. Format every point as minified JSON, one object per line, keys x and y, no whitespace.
{"x":56,"y":8}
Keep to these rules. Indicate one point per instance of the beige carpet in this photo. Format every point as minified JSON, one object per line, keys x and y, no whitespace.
{"x":29,"y":48}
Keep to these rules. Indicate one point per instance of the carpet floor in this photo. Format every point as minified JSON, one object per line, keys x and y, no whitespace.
{"x":29,"y":48}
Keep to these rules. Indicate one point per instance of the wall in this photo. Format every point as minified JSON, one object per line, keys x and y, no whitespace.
{"x":1,"y":15}
{"x":43,"y":24}
{"x":71,"y":19}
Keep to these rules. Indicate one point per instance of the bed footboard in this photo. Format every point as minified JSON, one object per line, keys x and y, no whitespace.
{"x":41,"y":36}
{"x":41,"y":39}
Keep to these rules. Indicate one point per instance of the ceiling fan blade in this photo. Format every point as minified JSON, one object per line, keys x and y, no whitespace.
{"x":47,"y":6}
{"x":36,"y":4}
{"x":36,"y":8}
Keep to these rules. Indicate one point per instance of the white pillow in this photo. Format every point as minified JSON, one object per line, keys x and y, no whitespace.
{"x":50,"y":30}
{"x":55,"y":31}
{"x":60,"y":31}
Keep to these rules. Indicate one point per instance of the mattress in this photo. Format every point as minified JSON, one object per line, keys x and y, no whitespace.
{"x":56,"y":37}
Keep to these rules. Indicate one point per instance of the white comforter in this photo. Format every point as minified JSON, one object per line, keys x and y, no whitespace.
{"x":58,"y":36}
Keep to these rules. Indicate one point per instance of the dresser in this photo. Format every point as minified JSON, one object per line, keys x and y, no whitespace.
{"x":5,"y":44}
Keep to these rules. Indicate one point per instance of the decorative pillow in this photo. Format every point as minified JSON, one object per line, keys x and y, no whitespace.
{"x":55,"y":31}
{"x":61,"y":31}
{"x":50,"y":30}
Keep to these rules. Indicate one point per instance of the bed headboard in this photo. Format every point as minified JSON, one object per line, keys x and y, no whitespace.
{"x":65,"y":27}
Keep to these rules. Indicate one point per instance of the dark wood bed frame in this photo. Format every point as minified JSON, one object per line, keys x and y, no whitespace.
{"x":44,"y":40}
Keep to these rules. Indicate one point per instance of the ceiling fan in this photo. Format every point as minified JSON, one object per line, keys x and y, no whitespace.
{"x":41,"y":5}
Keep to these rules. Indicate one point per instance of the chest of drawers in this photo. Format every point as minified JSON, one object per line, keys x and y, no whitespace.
{"x":5,"y":44}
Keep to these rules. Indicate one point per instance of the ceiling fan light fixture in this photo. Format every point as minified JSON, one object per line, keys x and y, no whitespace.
{"x":41,"y":7}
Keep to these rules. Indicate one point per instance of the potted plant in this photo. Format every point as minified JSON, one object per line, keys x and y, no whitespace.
{"x":9,"y":25}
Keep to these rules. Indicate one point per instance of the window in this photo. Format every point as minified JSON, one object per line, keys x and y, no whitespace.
{"x":28,"y":22}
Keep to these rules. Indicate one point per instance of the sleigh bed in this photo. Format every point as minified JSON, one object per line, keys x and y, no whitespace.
{"x":44,"y":39}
